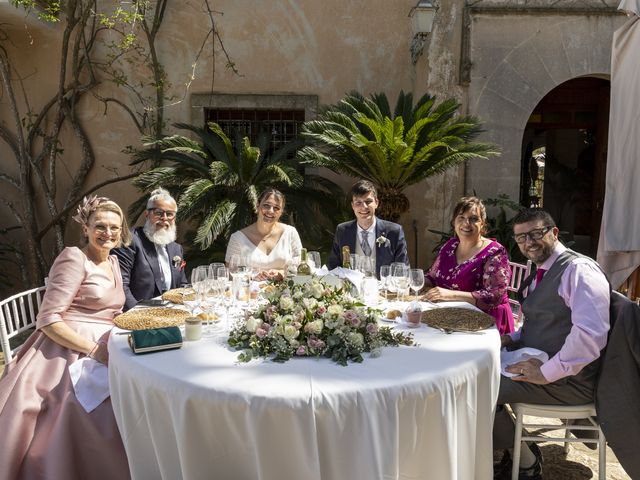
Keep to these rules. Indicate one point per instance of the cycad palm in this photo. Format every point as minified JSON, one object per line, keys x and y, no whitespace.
{"x":361,"y":138}
{"x":218,"y":185}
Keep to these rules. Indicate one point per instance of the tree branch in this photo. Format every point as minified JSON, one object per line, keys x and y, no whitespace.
{"x":62,"y":213}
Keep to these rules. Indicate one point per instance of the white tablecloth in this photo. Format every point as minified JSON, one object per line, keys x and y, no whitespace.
{"x":421,"y":412}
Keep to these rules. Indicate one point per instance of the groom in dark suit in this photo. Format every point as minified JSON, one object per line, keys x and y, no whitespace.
{"x":368,"y":235}
{"x":154,"y":262}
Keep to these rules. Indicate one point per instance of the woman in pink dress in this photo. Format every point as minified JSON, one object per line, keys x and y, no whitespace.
{"x":472,"y":268}
{"x":47,"y":434}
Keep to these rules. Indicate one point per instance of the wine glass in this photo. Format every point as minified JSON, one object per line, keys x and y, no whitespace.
{"x":193,"y":298}
{"x":416,"y":280}
{"x":400,"y":276}
{"x":213,"y":270}
{"x":235,"y":262}
{"x":225,"y":291}
{"x":385,"y":272}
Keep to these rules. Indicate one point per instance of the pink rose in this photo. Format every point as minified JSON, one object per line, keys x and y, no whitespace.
{"x":261,"y":332}
{"x":315,"y":343}
{"x":321,"y":310}
{"x":372,"y":328}
{"x":301,"y":351}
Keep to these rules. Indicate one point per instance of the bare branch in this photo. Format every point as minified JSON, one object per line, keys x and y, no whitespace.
{"x":71,"y":204}
{"x":14,"y":182}
{"x":124,"y":106}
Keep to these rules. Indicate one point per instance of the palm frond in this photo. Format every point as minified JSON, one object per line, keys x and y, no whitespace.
{"x":215,"y":224}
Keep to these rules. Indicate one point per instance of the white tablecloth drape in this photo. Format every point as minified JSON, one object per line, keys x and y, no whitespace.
{"x":421,"y":412}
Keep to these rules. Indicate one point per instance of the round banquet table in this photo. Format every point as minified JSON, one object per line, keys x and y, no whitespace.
{"x":422,"y":412}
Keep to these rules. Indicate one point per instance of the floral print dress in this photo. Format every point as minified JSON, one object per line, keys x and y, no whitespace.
{"x":486,"y":275}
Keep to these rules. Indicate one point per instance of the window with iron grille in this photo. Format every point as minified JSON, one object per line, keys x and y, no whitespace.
{"x":281,"y":125}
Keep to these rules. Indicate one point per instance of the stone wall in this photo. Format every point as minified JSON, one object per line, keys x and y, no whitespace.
{"x":498,"y":58}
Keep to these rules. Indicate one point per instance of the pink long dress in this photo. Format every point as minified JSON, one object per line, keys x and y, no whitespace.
{"x":46,"y":434}
{"x":486,"y":275}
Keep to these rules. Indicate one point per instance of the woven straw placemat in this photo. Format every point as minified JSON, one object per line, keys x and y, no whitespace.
{"x":457,"y":319}
{"x":175,"y":295}
{"x":142,"y":318}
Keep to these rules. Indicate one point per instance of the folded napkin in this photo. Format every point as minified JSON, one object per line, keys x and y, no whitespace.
{"x":90,"y":382}
{"x":520,"y":355}
{"x":354,"y":276}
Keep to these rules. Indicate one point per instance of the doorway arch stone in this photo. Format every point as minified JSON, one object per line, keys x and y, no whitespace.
{"x":516,"y":60}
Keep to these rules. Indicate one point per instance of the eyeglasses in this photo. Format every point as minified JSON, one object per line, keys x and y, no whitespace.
{"x":102,"y":229}
{"x":158,"y":212}
{"x":472,"y":219}
{"x":533,"y":235}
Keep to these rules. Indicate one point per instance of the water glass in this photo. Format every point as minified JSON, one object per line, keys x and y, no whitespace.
{"x":416,"y":280}
{"x":354,"y":260}
{"x":365,"y":266}
{"x":313,"y":258}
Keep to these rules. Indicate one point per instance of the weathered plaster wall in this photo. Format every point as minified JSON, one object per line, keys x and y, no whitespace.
{"x":498,"y":63}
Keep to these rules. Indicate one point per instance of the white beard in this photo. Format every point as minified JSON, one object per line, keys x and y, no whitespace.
{"x":160,"y":237}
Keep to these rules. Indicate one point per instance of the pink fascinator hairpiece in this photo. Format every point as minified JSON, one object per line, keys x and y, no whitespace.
{"x":87,"y":207}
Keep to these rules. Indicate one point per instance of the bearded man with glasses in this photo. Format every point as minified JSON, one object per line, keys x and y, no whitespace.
{"x":153,"y":263}
{"x":566,"y":313}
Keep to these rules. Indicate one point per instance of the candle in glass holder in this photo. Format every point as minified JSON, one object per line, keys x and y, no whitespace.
{"x":192,"y":328}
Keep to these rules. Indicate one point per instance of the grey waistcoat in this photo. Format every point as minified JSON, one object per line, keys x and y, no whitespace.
{"x":547,"y":318}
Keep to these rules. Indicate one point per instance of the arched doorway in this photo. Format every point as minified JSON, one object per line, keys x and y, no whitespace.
{"x":564,"y":154}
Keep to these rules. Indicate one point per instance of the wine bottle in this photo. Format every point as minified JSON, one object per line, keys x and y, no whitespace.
{"x":346,"y":257}
{"x":303,"y":267}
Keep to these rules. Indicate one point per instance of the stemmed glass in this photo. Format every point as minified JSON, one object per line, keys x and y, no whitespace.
{"x":225,"y":292}
{"x":400,"y":277}
{"x":236,"y":262}
{"x":385,"y":272}
{"x":391,"y":284}
{"x":416,"y":280}
{"x":193,"y":297}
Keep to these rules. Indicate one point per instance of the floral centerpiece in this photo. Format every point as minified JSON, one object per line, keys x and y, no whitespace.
{"x":313,"y":320}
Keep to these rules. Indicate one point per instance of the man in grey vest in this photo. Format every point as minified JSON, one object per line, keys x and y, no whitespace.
{"x":566,"y":315}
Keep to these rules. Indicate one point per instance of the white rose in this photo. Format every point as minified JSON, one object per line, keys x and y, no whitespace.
{"x":317,"y":290}
{"x":286,"y":303}
{"x":314,"y":327}
{"x":253,"y":324}
{"x":310,"y":303}
{"x":290,"y":332}
{"x":335,"y":310}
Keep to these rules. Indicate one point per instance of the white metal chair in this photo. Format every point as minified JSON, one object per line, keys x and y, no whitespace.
{"x":564,"y":412}
{"x":518,"y":273}
{"x":17,"y":314}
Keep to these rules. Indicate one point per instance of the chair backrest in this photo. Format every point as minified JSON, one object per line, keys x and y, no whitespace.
{"x":519,"y":272}
{"x":18,"y":314}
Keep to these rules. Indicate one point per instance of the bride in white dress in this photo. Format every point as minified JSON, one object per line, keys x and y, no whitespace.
{"x":268,"y":245}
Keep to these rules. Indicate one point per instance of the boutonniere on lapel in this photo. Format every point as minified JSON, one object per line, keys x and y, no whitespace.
{"x":178,"y":262}
{"x":382,"y":241}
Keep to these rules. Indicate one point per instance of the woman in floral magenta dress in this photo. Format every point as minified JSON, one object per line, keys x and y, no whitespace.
{"x":472,"y":268}
{"x":47,"y":434}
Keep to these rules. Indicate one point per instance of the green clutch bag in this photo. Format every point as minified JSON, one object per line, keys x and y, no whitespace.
{"x":155,"y":339}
